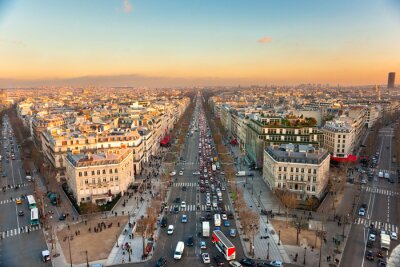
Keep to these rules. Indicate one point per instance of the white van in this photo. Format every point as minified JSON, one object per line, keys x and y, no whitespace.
{"x":29,"y":178}
{"x":387,"y":175}
{"x":179,"y":250}
{"x":217,"y":220}
{"x":45,"y":255}
{"x":380,"y":174}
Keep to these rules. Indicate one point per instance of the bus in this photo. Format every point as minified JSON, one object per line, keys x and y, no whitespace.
{"x":31,"y":201}
{"x":217,"y":220}
{"x":224,"y":245}
{"x":34,"y":216}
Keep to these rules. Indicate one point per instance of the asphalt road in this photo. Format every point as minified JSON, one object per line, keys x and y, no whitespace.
{"x":382,"y":197}
{"x":166,"y":244}
{"x":17,"y":247}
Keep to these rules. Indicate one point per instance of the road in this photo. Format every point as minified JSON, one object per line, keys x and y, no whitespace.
{"x":382,"y":197}
{"x":14,"y":228}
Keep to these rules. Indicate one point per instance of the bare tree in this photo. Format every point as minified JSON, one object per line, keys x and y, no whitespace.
{"x":288,"y":199}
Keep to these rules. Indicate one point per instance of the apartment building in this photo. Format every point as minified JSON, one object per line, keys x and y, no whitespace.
{"x":339,"y":137}
{"x":301,"y":169}
{"x":99,"y":177}
{"x":266,"y":130}
{"x":56,"y":143}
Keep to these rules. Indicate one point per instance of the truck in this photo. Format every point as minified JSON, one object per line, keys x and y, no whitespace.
{"x":206,"y":229}
{"x":214,"y":167}
{"x":385,"y":241}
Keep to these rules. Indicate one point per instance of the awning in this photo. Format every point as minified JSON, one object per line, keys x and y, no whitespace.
{"x":349,"y":158}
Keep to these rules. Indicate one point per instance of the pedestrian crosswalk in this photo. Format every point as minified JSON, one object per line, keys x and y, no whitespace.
{"x":5,"y":201}
{"x":18,"y":231}
{"x":377,"y":224}
{"x":12,"y":186}
{"x":193,"y":208}
{"x":185,"y":184}
{"x":381,"y":191}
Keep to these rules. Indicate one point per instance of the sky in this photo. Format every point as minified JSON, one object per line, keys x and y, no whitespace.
{"x":267,"y":41}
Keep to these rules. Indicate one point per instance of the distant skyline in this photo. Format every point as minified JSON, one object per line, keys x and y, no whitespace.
{"x":351,"y":42}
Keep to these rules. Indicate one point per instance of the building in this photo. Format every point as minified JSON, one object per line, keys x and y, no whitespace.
{"x":301,"y":169}
{"x":339,"y":137}
{"x":265,"y":130}
{"x":98,"y":178}
{"x":391,"y":80}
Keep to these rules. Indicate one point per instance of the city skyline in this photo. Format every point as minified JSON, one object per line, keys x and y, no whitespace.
{"x":193,"y":43}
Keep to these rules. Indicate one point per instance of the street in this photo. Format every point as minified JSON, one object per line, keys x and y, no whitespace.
{"x":381,"y":198}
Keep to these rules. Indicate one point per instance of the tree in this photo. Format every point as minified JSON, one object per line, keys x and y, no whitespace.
{"x":250,"y":221}
{"x":288,"y":199}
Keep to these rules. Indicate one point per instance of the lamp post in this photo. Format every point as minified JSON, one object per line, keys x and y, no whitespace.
{"x":116,"y":237}
{"x":268,"y":251}
{"x":87,"y":259}
{"x":279,"y":235}
{"x":69,"y":248}
{"x":305,"y":251}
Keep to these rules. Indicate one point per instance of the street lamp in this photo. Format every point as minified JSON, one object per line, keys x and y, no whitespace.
{"x":279,"y":234}
{"x":87,"y":259}
{"x":69,"y":248}
{"x":305,"y":251}
{"x":116,"y":237}
{"x":268,"y":251}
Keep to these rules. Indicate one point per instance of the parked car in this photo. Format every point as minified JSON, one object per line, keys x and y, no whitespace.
{"x":247,"y":262}
{"x":369,"y":255}
{"x":218,"y":260}
{"x":205,"y":257}
{"x":235,"y":264}
{"x":170,"y":230}
{"x":203,"y":245}
{"x":161,"y":262}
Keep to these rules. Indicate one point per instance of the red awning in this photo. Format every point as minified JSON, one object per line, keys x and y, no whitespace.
{"x":349,"y":158}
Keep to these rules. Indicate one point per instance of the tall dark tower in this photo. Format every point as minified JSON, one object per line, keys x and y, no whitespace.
{"x":391,"y":80}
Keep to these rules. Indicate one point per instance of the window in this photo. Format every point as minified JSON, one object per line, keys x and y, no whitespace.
{"x":302,"y":170}
{"x":93,"y":180}
{"x":116,"y":178}
{"x":82,"y":199}
{"x":98,"y":172}
{"x":104,"y":179}
{"x":284,"y":169}
{"x":93,"y":172}
{"x":279,"y":185}
{"x":315,"y":171}
{"x":313,"y":188}
{"x":297,"y":169}
{"x":111,"y":179}
{"x":314,"y":179}
{"x":116,"y":171}
{"x":80,"y":174}
{"x":85,"y":173}
{"x":86,"y":181}
{"x":280,"y":169}
{"x":279,"y":177}
{"x":99,"y":180}
{"x":110,"y":171}
{"x":297,"y":178}
{"x":308,"y":187}
{"x":309,"y":170}
{"x":309,"y":178}
{"x":104,"y":171}
{"x":291,"y":177}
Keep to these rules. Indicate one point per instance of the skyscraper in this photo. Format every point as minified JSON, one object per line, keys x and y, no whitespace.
{"x":391,"y":79}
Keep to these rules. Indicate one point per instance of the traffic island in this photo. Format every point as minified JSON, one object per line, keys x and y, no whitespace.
{"x":90,"y":240}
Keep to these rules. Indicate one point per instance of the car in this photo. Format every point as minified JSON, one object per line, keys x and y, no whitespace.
{"x":230,"y":215}
{"x":173,"y":173}
{"x":176,"y":210}
{"x":161,"y":262}
{"x":206,"y":258}
{"x":181,"y":173}
{"x":363,"y":181}
{"x":276,"y":264}
{"x":361,"y":212}
{"x":196,"y":173}
{"x":381,"y":262}
{"x":184,"y":218}
{"x":164,"y":222}
{"x":232,"y":232}
{"x":62,"y":217}
{"x":218,"y":260}
{"x":203,"y":245}
{"x":235,"y":264}
{"x":224,"y":217}
{"x":21,"y":213}
{"x":227,"y":224}
{"x":223,"y":188}
{"x":370,"y":244}
{"x":18,"y":200}
{"x":170,"y":229}
{"x":393,"y":236}
{"x":183,"y":188}
{"x":369,"y":255}
{"x":183,"y":204}
{"x":190,"y":241}
{"x":247,"y":262}
{"x":372,"y":237}
{"x":178,"y":200}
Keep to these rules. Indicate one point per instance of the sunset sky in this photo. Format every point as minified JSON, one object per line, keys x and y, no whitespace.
{"x":338,"y":41}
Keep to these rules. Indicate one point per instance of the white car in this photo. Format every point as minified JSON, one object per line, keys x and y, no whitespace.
{"x":224,"y":217}
{"x":235,"y":264}
{"x":206,"y":258}
{"x":393,"y":236}
{"x":183,"y":204}
{"x":173,"y":173}
{"x":181,"y":173}
{"x":196,"y":173}
{"x":223,"y":188}
{"x":372,"y":237}
{"x":170,"y":230}
{"x":276,"y":264}
{"x":361,"y":212}
{"x":363,"y":181}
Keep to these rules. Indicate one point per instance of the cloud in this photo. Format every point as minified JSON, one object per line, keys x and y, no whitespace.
{"x":265,"y":40}
{"x":127,"y":6}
